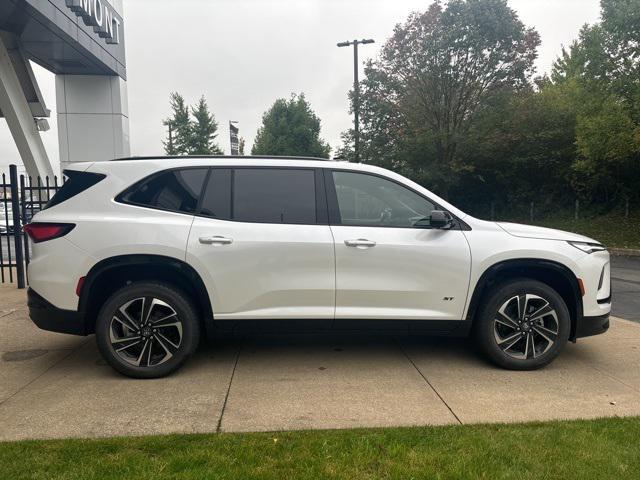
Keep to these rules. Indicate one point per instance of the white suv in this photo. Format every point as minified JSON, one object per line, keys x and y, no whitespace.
{"x":152,"y":253}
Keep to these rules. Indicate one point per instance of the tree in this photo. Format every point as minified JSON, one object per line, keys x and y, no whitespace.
{"x":187,"y":136}
{"x":603,"y":66}
{"x":522,"y":147}
{"x":203,"y":131}
{"x":437,"y":70}
{"x":179,"y":127}
{"x":290,"y":127}
{"x":621,"y":24}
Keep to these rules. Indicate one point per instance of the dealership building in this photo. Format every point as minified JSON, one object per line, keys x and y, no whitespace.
{"x":83,"y":43}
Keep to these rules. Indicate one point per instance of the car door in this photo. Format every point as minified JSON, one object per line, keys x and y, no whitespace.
{"x":262,"y":243}
{"x":390,"y":264}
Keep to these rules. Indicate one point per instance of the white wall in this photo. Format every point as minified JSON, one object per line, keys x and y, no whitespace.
{"x":93,"y":118}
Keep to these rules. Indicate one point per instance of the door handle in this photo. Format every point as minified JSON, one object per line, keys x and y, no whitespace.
{"x":360,"y":243}
{"x":216,"y":240}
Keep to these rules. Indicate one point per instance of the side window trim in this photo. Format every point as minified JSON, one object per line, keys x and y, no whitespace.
{"x":205,"y":185}
{"x":203,"y":191}
{"x":322,"y":217}
{"x":334,"y":209}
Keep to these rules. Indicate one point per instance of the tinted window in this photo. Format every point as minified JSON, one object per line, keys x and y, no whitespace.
{"x":268,"y":195}
{"x":175,"y":190}
{"x":368,"y":200}
{"x":216,"y":202}
{"x":76,"y":182}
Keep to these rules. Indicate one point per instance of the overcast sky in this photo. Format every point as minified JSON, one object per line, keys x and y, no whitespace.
{"x":243,"y":54}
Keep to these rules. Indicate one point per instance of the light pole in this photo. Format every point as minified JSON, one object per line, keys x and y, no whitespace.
{"x":356,"y":94}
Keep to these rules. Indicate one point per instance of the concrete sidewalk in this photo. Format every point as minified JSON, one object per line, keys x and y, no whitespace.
{"x":54,"y":386}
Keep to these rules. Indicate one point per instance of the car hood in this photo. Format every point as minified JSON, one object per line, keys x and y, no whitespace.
{"x":531,"y":231}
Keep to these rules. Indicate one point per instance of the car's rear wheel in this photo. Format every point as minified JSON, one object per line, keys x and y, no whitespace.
{"x":523,"y":325}
{"x":147,"y":330}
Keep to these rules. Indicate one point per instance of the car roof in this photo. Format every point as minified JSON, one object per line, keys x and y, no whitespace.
{"x":160,"y":162}
{"x":131,"y":169}
{"x":225,"y":157}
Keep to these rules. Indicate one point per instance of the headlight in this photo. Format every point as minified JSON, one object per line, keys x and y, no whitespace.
{"x":587,"y":247}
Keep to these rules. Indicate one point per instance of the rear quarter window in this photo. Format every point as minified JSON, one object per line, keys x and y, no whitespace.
{"x":172,"y":190}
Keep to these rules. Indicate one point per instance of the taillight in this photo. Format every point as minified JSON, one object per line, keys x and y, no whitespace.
{"x":41,"y":232}
{"x":80,"y":285}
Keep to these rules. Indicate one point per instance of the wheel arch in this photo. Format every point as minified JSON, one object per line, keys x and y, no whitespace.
{"x":111,"y":274}
{"x":556,"y":275}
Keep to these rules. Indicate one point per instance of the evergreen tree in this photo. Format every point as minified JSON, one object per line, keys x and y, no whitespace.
{"x":203,"y":131}
{"x":290,"y":127}
{"x":178,"y":126}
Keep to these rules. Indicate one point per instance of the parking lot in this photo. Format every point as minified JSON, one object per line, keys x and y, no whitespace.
{"x":54,"y":386}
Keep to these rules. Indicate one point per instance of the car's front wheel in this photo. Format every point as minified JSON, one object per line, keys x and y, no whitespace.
{"x":147,"y":329}
{"x":523,"y":325}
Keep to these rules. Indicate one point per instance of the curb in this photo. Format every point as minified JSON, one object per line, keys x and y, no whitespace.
{"x":625,"y":252}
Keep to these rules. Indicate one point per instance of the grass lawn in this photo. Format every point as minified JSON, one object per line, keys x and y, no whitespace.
{"x":595,"y":449}
{"x":612,"y":231}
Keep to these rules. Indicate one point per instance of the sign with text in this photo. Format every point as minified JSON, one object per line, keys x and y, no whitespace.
{"x":233,"y":133}
{"x":100,"y":15}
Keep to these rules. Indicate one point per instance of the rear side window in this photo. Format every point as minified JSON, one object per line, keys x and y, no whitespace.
{"x":173,"y":190}
{"x":76,"y":182}
{"x":271,"y":195}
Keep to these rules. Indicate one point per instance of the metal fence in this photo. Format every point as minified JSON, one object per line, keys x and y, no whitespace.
{"x":21,"y":197}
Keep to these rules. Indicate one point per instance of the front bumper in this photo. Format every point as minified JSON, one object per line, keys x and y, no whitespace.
{"x":588,"y":326}
{"x":48,"y":317}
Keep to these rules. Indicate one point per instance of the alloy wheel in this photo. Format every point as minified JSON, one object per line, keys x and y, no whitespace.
{"x":145,"y":332}
{"x":526,"y":326}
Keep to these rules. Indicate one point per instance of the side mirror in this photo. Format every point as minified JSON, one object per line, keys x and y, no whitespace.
{"x":440,"y":219}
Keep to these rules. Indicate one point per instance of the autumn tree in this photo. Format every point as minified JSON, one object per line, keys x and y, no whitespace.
{"x":436,"y":71}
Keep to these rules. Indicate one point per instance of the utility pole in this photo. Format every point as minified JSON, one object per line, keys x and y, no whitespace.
{"x":356,"y":94}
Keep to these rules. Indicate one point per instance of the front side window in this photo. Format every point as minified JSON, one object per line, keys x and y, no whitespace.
{"x":174,"y":190}
{"x":368,"y":200}
{"x":274,"y":195}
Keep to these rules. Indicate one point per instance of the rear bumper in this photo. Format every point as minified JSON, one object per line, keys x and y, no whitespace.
{"x":588,"y":326}
{"x":48,"y":317}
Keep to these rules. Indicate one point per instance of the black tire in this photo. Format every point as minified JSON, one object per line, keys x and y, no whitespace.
{"x":167,"y":347}
{"x":516,"y":339}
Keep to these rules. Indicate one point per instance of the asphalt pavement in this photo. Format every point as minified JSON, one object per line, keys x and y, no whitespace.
{"x":625,"y":282}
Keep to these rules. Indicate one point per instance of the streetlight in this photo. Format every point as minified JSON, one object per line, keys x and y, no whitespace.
{"x":356,"y":94}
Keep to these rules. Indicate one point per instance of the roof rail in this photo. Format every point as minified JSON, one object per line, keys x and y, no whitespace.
{"x":215,"y":157}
